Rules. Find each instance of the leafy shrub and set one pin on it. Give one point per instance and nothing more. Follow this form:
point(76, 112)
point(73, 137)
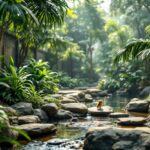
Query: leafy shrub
point(15, 86)
point(28, 83)
point(44, 79)
point(126, 78)
point(67, 81)
point(110, 84)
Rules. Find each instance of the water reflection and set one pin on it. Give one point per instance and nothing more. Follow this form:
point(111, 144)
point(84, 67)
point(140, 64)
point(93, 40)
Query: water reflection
point(116, 102)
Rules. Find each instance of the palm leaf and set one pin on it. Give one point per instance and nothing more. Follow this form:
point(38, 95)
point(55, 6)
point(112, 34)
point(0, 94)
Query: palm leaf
point(132, 50)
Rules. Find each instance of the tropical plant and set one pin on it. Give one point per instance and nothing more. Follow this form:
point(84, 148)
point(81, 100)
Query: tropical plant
point(138, 48)
point(18, 16)
point(16, 86)
point(4, 130)
point(67, 81)
point(128, 77)
point(44, 79)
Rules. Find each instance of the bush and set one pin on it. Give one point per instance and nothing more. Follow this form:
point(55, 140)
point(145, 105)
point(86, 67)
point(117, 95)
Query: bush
point(67, 81)
point(44, 79)
point(27, 83)
point(110, 84)
point(124, 79)
point(14, 84)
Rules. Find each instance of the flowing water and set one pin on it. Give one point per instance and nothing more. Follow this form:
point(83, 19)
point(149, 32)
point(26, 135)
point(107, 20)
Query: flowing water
point(74, 132)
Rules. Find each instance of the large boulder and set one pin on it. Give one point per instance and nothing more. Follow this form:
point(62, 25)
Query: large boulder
point(145, 92)
point(76, 108)
point(28, 119)
point(37, 129)
point(63, 114)
point(23, 108)
point(103, 93)
point(51, 109)
point(93, 91)
point(74, 96)
point(132, 121)
point(104, 111)
point(88, 98)
point(41, 114)
point(106, 138)
point(138, 106)
point(67, 100)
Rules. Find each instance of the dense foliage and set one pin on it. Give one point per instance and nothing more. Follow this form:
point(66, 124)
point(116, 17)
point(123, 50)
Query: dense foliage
point(44, 79)
point(84, 46)
point(27, 83)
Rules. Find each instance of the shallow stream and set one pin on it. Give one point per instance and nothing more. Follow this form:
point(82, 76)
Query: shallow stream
point(69, 136)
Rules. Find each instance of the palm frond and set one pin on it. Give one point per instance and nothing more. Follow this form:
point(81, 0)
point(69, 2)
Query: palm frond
point(48, 11)
point(132, 50)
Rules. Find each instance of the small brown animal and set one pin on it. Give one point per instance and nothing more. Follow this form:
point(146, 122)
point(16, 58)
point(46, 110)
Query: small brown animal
point(99, 104)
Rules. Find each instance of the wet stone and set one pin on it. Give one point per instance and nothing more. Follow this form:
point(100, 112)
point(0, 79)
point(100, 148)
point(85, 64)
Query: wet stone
point(132, 121)
point(118, 115)
point(104, 111)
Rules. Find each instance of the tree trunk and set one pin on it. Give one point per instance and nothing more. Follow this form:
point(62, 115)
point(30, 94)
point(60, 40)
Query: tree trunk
point(1, 38)
point(2, 31)
point(147, 68)
point(91, 62)
point(23, 53)
point(71, 66)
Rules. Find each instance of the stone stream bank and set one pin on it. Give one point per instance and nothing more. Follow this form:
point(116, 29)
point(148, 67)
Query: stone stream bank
point(103, 127)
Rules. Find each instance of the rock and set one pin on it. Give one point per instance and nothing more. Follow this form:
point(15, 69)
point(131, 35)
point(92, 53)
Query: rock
point(57, 96)
point(67, 100)
point(37, 129)
point(88, 98)
point(103, 93)
point(132, 121)
point(13, 120)
point(65, 92)
point(106, 138)
point(28, 119)
point(23, 108)
point(51, 109)
point(81, 95)
point(75, 108)
point(104, 111)
point(63, 114)
point(70, 96)
point(145, 92)
point(138, 106)
point(143, 129)
point(93, 91)
point(41, 114)
point(118, 115)
point(74, 96)
point(9, 111)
